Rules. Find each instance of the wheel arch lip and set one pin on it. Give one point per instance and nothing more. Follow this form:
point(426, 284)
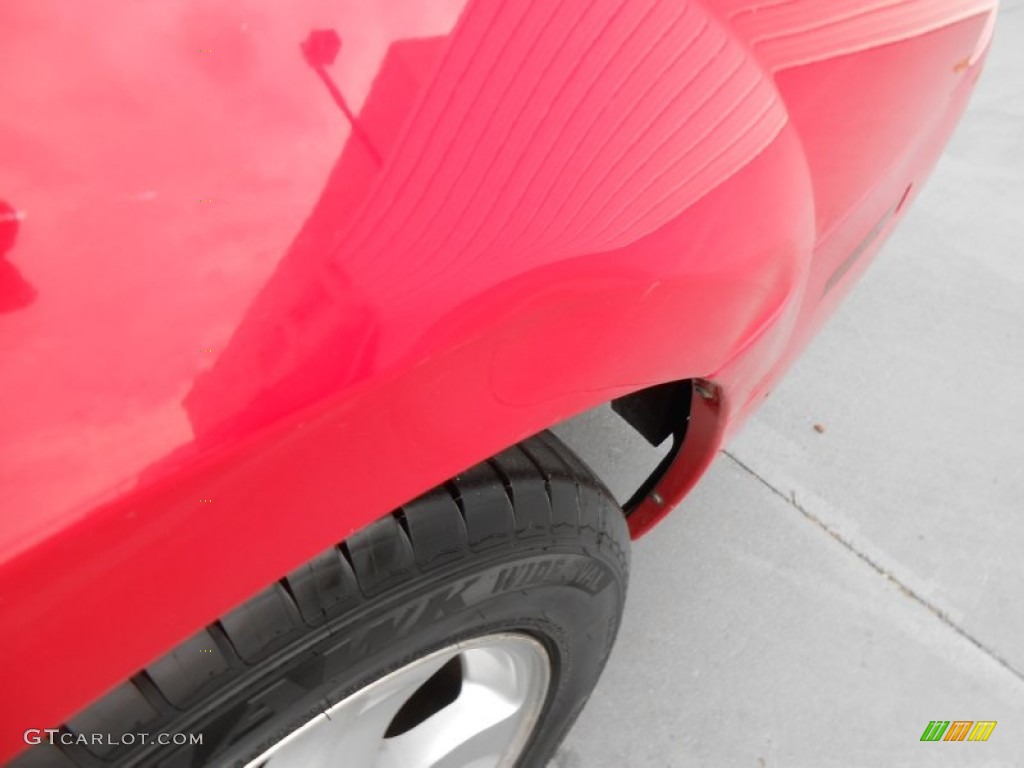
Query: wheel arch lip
point(705, 434)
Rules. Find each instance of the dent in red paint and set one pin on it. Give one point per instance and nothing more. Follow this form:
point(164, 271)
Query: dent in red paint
point(310, 283)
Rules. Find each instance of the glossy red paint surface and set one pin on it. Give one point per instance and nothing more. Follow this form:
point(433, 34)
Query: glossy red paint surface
point(271, 270)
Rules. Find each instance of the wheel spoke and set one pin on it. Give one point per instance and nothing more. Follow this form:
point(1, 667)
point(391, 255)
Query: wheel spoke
point(484, 749)
point(353, 728)
point(504, 681)
point(478, 710)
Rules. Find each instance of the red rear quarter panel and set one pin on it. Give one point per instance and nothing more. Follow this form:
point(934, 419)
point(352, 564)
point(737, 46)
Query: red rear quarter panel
point(255, 294)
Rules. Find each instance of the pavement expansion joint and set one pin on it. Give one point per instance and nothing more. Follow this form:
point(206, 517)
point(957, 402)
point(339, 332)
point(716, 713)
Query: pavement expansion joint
point(941, 615)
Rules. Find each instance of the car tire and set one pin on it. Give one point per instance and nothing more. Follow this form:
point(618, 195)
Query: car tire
point(469, 625)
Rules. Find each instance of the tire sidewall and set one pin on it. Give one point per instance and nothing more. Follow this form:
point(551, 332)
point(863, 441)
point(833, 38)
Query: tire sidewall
point(566, 596)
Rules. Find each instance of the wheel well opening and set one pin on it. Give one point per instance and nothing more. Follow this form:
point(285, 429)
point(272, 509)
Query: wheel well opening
point(630, 442)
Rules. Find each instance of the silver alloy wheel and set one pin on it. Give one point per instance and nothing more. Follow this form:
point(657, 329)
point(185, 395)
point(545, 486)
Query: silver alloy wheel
point(473, 704)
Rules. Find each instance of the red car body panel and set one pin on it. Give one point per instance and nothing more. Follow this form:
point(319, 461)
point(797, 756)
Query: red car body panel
point(259, 290)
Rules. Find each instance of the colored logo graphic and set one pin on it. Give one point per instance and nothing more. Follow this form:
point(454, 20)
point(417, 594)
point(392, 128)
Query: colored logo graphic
point(958, 730)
